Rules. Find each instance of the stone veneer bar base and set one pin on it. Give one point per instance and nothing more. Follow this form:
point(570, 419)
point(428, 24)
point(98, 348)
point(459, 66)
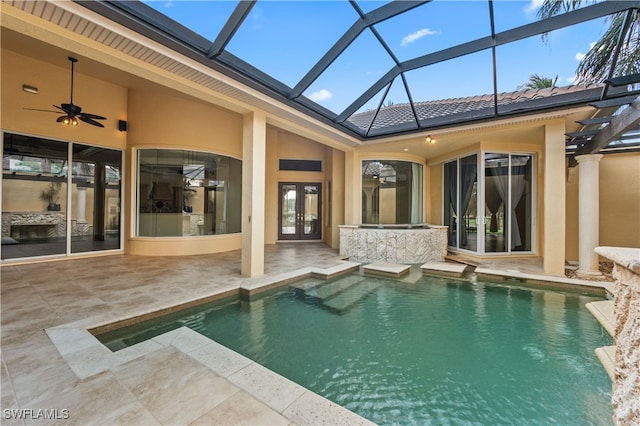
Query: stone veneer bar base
point(626, 382)
point(393, 243)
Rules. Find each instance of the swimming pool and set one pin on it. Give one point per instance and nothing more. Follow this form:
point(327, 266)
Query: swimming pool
point(432, 351)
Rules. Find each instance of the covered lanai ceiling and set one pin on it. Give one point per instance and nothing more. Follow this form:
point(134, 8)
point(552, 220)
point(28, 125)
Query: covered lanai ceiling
point(374, 69)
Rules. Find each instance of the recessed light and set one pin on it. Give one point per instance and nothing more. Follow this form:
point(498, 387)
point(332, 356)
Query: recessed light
point(30, 89)
point(406, 149)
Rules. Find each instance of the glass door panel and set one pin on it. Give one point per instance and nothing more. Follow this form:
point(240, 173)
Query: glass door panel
point(496, 168)
point(450, 180)
point(311, 213)
point(299, 217)
point(469, 203)
point(34, 197)
point(288, 209)
point(521, 202)
point(95, 209)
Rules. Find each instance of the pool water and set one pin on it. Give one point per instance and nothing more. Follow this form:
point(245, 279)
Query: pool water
point(433, 351)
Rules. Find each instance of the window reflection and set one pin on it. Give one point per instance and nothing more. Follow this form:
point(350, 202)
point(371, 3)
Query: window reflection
point(187, 193)
point(391, 192)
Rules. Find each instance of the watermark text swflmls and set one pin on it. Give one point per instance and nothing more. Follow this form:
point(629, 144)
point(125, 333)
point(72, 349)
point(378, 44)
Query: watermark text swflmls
point(36, 414)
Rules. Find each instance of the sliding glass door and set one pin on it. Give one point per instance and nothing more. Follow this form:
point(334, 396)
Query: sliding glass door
point(509, 202)
point(461, 202)
point(45, 211)
point(495, 195)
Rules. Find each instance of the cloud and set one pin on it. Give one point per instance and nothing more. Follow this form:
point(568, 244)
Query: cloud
point(321, 95)
point(168, 4)
point(580, 55)
point(415, 36)
point(533, 6)
point(572, 79)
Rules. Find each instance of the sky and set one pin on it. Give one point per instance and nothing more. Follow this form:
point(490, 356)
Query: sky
point(286, 38)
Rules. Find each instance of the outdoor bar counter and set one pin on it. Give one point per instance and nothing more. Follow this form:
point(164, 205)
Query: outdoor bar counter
point(418, 243)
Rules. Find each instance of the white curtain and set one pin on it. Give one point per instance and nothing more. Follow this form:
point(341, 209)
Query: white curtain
point(518, 184)
point(468, 177)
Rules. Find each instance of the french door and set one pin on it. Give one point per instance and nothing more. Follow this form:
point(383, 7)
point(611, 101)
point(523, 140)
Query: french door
point(299, 211)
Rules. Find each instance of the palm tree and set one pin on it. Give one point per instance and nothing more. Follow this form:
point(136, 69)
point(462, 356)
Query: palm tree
point(538, 82)
point(597, 63)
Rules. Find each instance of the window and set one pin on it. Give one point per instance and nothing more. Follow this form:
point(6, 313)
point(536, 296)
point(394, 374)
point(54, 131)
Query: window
point(391, 192)
point(187, 193)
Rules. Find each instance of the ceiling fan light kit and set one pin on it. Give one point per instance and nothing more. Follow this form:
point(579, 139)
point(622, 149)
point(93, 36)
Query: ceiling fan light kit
point(72, 113)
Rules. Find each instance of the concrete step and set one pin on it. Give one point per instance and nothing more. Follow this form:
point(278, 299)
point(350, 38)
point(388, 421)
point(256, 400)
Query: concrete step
point(326, 290)
point(353, 295)
point(603, 312)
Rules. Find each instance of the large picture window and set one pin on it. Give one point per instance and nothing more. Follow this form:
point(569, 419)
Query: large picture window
point(44, 212)
point(391, 192)
point(187, 193)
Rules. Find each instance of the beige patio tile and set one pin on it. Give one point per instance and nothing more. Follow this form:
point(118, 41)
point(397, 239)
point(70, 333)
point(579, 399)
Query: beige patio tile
point(100, 400)
point(220, 359)
point(241, 409)
point(274, 390)
point(312, 409)
point(173, 387)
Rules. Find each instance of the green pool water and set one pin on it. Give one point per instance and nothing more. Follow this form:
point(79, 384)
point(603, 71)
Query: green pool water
point(433, 351)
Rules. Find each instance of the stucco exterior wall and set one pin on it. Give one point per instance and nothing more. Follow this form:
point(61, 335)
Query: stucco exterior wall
point(619, 203)
point(285, 145)
point(54, 85)
point(158, 119)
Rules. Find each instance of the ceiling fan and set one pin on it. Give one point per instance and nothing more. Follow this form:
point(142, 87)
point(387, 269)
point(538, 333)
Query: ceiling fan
point(73, 112)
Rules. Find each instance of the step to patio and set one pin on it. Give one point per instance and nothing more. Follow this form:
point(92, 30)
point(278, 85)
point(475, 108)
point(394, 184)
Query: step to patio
point(325, 290)
point(607, 357)
point(603, 312)
point(447, 269)
point(350, 297)
point(386, 269)
point(462, 260)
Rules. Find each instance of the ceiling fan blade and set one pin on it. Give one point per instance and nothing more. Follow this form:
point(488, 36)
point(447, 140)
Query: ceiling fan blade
point(42, 110)
point(88, 120)
point(66, 111)
point(92, 116)
point(71, 108)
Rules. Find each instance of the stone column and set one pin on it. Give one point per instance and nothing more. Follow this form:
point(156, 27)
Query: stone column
point(81, 205)
point(588, 213)
point(253, 193)
point(625, 397)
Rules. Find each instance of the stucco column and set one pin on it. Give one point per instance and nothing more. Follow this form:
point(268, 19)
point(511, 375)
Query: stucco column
point(81, 205)
point(352, 189)
point(588, 213)
point(253, 193)
point(554, 202)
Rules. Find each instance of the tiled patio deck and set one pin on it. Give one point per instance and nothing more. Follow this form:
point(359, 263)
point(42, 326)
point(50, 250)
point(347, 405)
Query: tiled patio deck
point(163, 386)
point(49, 362)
